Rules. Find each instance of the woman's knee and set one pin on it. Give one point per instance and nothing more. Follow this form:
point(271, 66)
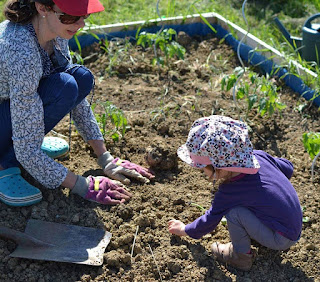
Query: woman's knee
point(69, 92)
point(59, 89)
point(84, 79)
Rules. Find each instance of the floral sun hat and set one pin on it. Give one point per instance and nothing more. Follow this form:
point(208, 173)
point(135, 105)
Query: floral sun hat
point(221, 142)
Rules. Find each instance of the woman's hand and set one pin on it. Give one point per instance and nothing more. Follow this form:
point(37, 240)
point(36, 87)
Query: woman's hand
point(177, 227)
point(122, 170)
point(101, 190)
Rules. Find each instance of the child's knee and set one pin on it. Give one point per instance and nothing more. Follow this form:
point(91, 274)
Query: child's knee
point(236, 212)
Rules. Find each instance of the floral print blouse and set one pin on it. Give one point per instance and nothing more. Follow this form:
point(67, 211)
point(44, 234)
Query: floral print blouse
point(22, 64)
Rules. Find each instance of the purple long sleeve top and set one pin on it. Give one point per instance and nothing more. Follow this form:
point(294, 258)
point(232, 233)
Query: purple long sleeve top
point(268, 194)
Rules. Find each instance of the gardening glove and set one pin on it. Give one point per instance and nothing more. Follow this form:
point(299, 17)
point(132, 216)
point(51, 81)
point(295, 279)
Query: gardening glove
point(118, 169)
point(101, 190)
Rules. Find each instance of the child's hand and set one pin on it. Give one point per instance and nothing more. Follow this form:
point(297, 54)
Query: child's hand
point(177, 227)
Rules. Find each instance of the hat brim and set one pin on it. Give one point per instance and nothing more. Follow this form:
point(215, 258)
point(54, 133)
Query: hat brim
point(184, 155)
point(79, 8)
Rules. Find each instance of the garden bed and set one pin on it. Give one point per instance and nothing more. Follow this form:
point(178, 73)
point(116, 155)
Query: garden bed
point(160, 104)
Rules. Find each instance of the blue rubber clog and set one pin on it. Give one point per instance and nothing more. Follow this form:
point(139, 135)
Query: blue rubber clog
point(15, 191)
point(55, 147)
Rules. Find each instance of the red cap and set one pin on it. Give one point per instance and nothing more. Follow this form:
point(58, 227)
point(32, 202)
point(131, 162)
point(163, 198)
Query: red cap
point(79, 7)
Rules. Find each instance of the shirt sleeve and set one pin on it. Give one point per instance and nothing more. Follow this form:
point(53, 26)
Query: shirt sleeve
point(24, 68)
point(85, 122)
point(63, 45)
point(82, 115)
point(203, 224)
point(285, 166)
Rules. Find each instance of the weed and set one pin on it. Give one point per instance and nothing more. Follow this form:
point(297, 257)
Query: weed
point(116, 117)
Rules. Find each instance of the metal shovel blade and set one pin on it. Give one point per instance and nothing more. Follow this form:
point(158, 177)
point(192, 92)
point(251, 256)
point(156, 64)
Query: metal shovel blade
point(63, 243)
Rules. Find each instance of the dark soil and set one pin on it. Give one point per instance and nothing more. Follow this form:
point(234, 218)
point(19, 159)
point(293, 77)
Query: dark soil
point(160, 104)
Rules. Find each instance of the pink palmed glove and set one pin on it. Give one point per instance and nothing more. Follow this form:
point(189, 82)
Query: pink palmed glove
point(101, 190)
point(121, 169)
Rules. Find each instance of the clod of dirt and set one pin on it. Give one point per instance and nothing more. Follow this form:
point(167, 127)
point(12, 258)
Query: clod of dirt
point(142, 221)
point(184, 39)
point(115, 258)
point(161, 158)
point(174, 267)
point(124, 212)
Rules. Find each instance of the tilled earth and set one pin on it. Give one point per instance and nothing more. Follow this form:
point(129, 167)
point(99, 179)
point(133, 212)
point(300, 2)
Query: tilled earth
point(160, 104)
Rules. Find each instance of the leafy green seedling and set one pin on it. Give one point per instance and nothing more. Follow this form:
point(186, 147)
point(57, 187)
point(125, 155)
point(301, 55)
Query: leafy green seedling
point(305, 219)
point(164, 41)
point(311, 142)
point(224, 221)
point(116, 117)
point(259, 92)
point(201, 208)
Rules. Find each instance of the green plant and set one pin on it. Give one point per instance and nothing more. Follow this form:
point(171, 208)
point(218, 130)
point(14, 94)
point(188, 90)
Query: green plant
point(163, 41)
point(116, 50)
point(258, 92)
point(76, 56)
point(199, 207)
point(305, 219)
point(116, 117)
point(311, 142)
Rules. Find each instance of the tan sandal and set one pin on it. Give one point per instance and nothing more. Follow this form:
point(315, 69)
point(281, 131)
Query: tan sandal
point(226, 253)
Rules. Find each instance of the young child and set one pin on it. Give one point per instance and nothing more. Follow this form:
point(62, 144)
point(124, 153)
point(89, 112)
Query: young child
point(255, 196)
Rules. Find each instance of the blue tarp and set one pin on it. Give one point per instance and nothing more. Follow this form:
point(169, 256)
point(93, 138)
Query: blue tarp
point(200, 29)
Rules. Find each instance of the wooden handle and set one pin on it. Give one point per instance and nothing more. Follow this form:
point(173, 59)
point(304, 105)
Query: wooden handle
point(20, 238)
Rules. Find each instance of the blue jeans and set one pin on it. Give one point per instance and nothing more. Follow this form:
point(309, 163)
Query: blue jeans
point(244, 225)
point(60, 93)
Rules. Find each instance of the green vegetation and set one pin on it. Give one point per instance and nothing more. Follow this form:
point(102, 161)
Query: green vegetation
point(163, 41)
point(199, 207)
point(113, 114)
point(311, 142)
point(259, 92)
